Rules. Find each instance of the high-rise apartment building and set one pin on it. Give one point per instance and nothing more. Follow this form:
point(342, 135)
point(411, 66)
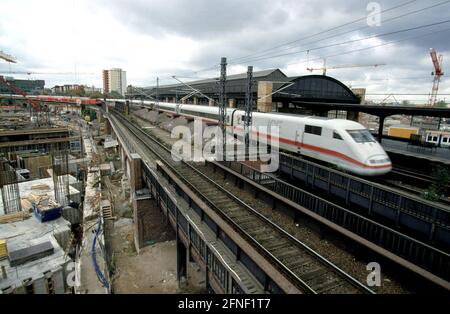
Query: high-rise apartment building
point(105, 82)
point(114, 80)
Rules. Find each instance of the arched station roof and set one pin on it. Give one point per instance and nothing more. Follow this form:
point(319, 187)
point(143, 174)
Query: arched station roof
point(316, 88)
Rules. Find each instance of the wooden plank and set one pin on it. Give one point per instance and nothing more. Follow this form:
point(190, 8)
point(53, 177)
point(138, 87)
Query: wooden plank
point(14, 217)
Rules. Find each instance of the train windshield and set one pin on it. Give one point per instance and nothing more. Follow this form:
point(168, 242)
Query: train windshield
point(361, 136)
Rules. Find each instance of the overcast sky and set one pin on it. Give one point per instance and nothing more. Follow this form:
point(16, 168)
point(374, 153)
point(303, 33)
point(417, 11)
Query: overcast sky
point(161, 38)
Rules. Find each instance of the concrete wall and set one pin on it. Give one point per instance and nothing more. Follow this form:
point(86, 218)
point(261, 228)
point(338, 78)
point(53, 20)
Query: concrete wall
point(143, 204)
point(34, 163)
point(135, 172)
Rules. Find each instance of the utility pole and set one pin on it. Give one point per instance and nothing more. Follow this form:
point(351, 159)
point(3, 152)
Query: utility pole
point(157, 90)
point(222, 101)
point(248, 108)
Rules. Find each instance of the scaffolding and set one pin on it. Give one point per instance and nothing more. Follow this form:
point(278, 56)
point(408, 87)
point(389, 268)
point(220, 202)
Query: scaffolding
point(9, 189)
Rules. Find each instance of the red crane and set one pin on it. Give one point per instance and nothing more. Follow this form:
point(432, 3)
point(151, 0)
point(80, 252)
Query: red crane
point(36, 106)
point(437, 63)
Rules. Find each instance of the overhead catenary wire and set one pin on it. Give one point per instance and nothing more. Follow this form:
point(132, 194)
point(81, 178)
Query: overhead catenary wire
point(217, 65)
point(255, 60)
point(285, 65)
point(352, 30)
point(331, 29)
point(351, 41)
point(324, 31)
point(370, 47)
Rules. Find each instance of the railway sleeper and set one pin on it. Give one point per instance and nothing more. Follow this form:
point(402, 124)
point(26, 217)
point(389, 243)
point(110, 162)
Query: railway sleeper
point(313, 274)
point(235, 209)
point(340, 289)
point(264, 238)
point(304, 267)
point(202, 186)
point(297, 261)
point(331, 284)
point(255, 228)
point(249, 219)
point(280, 246)
point(236, 215)
point(256, 231)
point(222, 203)
point(288, 253)
point(205, 187)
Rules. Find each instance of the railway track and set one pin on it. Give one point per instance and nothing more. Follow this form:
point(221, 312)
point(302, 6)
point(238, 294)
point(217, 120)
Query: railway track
point(419, 179)
point(307, 269)
point(412, 182)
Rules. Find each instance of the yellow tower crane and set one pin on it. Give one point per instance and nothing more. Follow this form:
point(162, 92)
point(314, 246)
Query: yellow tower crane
point(7, 57)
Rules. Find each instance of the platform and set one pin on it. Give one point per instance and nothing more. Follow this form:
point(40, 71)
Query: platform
point(438, 154)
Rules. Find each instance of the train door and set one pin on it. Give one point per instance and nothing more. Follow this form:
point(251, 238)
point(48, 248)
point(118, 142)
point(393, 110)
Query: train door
point(445, 140)
point(298, 140)
point(432, 138)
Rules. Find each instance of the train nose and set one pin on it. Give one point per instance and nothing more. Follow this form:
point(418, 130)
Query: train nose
point(377, 160)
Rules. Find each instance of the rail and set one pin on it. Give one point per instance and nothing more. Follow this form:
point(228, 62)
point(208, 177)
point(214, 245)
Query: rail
point(421, 254)
point(430, 219)
point(195, 178)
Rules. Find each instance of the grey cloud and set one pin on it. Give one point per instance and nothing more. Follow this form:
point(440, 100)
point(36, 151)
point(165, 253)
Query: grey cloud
point(238, 28)
point(195, 19)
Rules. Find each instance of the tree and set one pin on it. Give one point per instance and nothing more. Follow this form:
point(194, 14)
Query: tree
point(96, 95)
point(405, 103)
point(77, 92)
point(438, 189)
point(441, 104)
point(115, 94)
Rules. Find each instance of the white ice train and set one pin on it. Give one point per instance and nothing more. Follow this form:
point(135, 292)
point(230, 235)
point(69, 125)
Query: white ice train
point(344, 143)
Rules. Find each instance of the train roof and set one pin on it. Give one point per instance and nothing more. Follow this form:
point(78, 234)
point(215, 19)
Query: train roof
point(319, 121)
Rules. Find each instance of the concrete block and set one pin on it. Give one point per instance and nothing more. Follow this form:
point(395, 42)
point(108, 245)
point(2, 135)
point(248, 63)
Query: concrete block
point(59, 281)
point(40, 285)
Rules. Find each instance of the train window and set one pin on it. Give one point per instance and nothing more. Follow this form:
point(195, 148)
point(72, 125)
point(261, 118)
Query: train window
point(445, 140)
point(429, 138)
point(361, 136)
point(336, 135)
point(311, 129)
point(435, 138)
